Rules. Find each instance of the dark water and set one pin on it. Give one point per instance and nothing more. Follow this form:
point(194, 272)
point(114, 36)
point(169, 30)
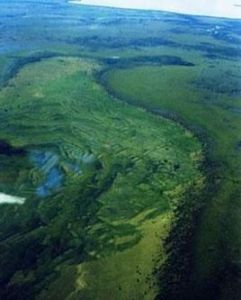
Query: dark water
point(48, 164)
point(8, 150)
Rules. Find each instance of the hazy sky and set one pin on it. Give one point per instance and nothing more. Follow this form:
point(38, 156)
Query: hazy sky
point(221, 8)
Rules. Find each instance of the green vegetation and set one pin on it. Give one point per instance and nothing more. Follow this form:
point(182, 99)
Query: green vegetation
point(65, 126)
point(118, 202)
point(200, 98)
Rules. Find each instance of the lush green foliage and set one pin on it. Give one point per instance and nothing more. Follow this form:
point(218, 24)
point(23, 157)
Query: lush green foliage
point(114, 192)
point(115, 162)
point(207, 99)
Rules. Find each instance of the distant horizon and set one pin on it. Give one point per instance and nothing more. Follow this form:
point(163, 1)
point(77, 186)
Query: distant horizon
point(217, 8)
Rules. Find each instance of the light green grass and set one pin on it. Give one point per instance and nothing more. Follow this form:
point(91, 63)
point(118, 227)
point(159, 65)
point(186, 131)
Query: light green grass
point(174, 89)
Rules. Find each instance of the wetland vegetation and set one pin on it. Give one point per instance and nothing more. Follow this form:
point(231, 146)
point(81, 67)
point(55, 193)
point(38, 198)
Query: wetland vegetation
point(120, 142)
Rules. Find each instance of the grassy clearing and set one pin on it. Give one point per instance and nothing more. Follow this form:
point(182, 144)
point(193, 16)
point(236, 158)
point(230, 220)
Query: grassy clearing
point(129, 274)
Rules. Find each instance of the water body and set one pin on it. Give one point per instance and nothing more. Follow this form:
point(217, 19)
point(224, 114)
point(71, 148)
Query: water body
point(48, 164)
point(52, 183)
point(216, 8)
